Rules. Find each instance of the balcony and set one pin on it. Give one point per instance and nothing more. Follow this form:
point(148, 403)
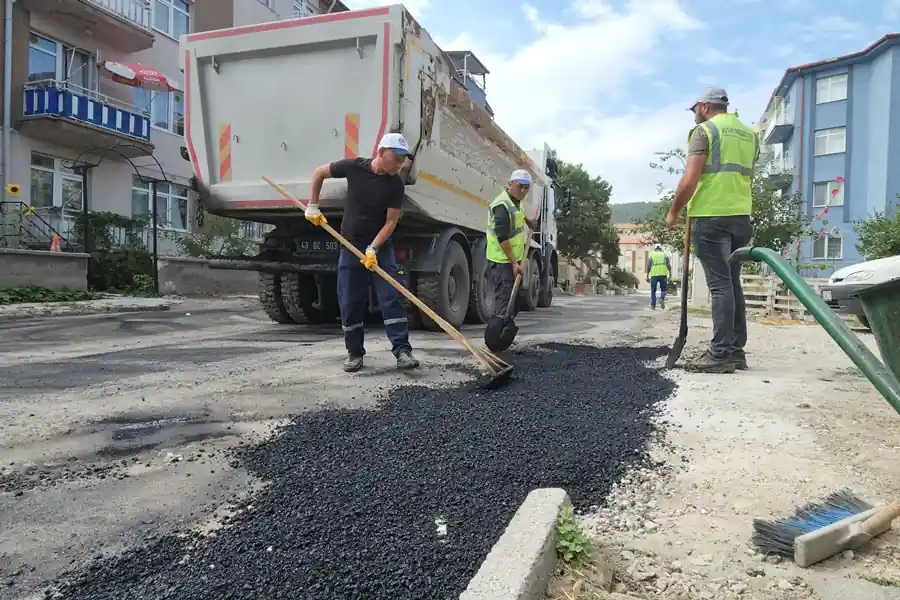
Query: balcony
point(122, 24)
point(779, 169)
point(780, 128)
point(65, 114)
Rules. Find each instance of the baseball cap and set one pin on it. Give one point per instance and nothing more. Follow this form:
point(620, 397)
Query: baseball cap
point(521, 176)
point(711, 96)
point(394, 142)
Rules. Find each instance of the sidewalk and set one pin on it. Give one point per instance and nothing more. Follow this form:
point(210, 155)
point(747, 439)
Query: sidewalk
point(86, 307)
point(801, 423)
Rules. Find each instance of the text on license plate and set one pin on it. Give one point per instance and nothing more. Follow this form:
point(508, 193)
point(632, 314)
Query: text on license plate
point(826, 295)
point(318, 245)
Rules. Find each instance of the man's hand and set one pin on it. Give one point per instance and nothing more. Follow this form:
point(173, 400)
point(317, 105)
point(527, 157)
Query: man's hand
point(532, 223)
point(314, 215)
point(371, 259)
point(671, 220)
point(518, 269)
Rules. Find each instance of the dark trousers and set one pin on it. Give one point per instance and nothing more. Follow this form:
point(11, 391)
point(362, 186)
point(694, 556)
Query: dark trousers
point(715, 238)
point(501, 276)
point(660, 281)
point(353, 298)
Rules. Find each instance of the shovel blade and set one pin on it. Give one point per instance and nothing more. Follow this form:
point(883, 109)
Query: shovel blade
point(675, 352)
point(500, 334)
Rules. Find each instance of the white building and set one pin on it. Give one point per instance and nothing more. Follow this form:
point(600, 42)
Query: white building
point(66, 106)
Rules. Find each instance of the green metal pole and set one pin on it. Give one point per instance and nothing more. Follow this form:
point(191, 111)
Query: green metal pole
point(874, 370)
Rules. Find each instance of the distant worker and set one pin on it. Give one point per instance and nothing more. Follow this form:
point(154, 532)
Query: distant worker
point(506, 238)
point(375, 194)
point(658, 270)
point(716, 186)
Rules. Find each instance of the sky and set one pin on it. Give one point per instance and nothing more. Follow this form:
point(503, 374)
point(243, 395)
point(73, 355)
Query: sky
point(607, 82)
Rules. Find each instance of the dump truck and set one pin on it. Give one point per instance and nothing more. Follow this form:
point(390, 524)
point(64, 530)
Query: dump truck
point(282, 98)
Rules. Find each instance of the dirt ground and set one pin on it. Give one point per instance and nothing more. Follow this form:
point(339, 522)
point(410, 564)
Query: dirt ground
point(800, 423)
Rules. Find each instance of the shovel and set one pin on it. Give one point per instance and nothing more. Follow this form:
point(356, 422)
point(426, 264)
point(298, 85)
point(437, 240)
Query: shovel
point(678, 346)
point(501, 331)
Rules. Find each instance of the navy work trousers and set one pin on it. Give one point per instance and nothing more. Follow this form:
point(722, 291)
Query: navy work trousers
point(353, 298)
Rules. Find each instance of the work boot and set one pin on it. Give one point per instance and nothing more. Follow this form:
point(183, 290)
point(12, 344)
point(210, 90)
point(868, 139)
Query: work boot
point(352, 364)
point(662, 304)
point(406, 361)
point(739, 358)
point(652, 307)
point(707, 363)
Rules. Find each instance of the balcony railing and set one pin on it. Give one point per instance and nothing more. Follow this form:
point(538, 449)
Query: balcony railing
point(63, 100)
point(136, 12)
point(780, 127)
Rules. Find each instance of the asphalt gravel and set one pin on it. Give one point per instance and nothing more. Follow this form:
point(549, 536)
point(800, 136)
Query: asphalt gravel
point(404, 502)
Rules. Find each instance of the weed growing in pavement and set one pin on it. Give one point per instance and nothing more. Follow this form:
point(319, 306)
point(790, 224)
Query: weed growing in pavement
point(571, 543)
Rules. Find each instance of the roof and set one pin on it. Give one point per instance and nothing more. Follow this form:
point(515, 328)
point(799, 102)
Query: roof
point(466, 57)
point(875, 48)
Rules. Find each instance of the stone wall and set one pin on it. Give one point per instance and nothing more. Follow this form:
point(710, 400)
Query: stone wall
point(191, 277)
point(57, 271)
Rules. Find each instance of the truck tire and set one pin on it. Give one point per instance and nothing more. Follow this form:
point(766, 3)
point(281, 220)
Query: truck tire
point(481, 298)
point(413, 316)
point(528, 297)
point(545, 297)
point(447, 293)
point(269, 289)
point(300, 294)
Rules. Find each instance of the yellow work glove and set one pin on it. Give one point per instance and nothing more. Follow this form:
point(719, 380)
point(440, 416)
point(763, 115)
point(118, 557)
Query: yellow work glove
point(314, 215)
point(371, 259)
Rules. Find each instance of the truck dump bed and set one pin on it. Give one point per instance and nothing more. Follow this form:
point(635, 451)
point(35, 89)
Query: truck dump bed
point(282, 98)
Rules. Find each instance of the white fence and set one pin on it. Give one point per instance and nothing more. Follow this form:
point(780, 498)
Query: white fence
point(765, 295)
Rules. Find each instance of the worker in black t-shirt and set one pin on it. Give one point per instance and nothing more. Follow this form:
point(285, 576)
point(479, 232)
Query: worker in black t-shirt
point(375, 194)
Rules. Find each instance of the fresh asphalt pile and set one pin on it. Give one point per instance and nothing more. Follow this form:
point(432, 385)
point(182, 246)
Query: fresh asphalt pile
point(404, 502)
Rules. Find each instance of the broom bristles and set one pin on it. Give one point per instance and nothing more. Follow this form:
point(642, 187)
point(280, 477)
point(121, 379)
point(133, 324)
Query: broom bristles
point(777, 537)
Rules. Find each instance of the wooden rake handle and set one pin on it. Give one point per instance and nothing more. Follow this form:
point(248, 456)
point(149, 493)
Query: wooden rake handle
point(447, 327)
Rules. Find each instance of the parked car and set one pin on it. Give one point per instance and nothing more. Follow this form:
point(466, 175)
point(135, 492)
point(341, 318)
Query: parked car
point(844, 283)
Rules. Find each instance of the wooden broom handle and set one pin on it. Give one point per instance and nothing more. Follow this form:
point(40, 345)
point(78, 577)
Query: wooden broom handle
point(882, 518)
point(447, 327)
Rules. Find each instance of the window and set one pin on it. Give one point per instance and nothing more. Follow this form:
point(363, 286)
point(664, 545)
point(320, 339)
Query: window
point(831, 89)
point(54, 185)
point(828, 193)
point(304, 8)
point(253, 230)
point(171, 17)
point(49, 60)
point(171, 203)
point(166, 109)
point(828, 247)
point(831, 141)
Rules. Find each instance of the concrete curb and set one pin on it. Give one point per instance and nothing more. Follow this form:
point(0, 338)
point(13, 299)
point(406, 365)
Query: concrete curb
point(53, 309)
point(520, 564)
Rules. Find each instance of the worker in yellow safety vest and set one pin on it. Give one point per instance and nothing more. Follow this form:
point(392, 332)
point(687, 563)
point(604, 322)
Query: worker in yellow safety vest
point(506, 238)
point(658, 271)
point(717, 188)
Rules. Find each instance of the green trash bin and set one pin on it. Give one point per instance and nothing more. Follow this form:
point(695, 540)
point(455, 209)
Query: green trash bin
point(881, 303)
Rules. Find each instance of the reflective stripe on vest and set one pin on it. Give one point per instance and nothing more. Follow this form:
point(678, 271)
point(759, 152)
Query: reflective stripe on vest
point(658, 266)
point(724, 188)
point(495, 251)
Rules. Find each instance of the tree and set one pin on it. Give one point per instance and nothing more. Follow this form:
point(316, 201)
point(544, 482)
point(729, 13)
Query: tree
point(778, 217)
point(582, 213)
point(221, 236)
point(879, 237)
point(609, 246)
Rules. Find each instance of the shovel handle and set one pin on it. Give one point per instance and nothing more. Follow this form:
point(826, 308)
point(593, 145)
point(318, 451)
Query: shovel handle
point(447, 327)
point(514, 296)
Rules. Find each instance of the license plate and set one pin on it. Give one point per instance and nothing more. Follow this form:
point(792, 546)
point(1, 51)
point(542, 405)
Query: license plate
point(826, 295)
point(317, 245)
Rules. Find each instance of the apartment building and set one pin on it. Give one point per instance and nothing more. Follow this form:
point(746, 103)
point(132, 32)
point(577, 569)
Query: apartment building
point(83, 131)
point(831, 131)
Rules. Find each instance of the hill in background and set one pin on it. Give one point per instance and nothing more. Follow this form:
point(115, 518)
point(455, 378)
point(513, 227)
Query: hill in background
point(628, 212)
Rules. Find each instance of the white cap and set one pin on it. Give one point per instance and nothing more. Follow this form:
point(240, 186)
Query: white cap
point(521, 176)
point(394, 142)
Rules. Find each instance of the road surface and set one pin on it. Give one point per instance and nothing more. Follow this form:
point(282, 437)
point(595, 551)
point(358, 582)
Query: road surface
point(116, 427)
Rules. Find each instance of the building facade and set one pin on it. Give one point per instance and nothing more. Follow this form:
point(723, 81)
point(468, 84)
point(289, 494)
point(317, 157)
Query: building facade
point(831, 132)
point(635, 250)
point(79, 134)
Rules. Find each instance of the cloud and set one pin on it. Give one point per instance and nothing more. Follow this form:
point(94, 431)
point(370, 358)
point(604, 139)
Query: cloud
point(572, 86)
point(831, 27)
